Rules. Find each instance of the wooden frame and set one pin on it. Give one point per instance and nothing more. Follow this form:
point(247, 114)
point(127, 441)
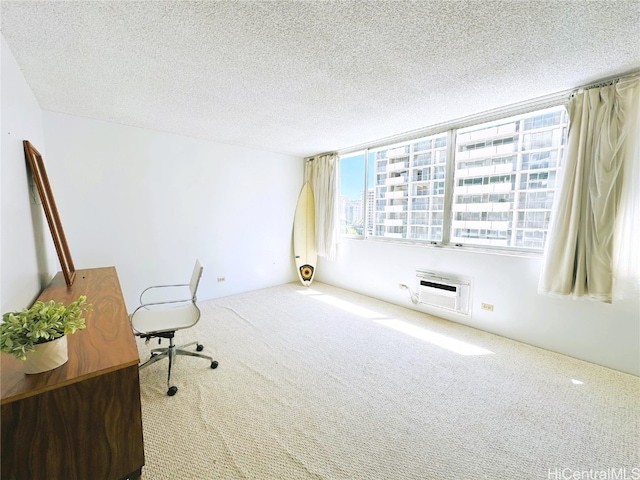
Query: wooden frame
point(51, 212)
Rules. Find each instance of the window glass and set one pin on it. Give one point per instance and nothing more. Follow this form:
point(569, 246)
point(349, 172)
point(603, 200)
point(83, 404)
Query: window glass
point(503, 186)
point(506, 170)
point(352, 194)
point(409, 189)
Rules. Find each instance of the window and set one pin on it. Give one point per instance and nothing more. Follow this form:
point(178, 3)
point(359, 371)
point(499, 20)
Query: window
point(352, 199)
point(409, 181)
point(494, 186)
point(529, 178)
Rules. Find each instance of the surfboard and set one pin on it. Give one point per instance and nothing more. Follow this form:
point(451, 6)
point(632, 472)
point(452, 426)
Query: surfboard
point(304, 236)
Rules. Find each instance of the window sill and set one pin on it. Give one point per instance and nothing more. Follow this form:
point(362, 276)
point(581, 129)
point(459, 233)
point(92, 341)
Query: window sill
point(464, 248)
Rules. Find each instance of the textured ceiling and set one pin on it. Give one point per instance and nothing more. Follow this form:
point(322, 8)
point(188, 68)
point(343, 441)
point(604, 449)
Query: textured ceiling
point(307, 77)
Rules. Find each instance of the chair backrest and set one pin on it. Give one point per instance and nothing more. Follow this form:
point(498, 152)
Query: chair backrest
point(195, 279)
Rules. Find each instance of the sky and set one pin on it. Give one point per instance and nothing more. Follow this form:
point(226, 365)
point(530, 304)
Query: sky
point(352, 176)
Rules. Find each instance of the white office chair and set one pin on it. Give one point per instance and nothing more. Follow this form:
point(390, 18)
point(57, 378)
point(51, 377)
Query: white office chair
point(162, 320)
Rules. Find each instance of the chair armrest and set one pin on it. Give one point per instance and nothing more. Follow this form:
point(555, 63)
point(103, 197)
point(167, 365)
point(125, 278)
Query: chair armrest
point(162, 286)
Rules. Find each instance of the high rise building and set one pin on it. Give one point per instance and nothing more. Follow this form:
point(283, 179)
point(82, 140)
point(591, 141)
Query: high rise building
point(409, 190)
point(351, 216)
point(371, 195)
point(504, 178)
point(353, 212)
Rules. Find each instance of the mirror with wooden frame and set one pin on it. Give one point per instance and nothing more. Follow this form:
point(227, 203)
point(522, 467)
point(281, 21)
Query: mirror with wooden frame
point(50, 210)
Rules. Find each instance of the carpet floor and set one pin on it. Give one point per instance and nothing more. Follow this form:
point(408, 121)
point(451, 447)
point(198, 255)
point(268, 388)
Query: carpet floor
point(322, 383)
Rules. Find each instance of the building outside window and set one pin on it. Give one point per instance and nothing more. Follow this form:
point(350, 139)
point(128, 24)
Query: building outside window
point(502, 181)
point(409, 182)
point(507, 167)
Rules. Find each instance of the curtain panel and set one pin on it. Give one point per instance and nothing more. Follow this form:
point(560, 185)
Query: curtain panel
point(322, 172)
point(592, 248)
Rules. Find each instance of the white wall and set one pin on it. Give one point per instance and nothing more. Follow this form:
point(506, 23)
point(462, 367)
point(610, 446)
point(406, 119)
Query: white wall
point(150, 203)
point(27, 255)
point(147, 202)
point(608, 335)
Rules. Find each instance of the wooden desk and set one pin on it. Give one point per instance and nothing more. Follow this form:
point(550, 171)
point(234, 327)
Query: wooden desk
point(83, 419)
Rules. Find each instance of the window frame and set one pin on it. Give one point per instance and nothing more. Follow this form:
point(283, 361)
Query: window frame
point(451, 130)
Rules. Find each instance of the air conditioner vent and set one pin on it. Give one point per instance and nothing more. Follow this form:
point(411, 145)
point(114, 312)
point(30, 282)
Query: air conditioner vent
point(444, 291)
point(440, 286)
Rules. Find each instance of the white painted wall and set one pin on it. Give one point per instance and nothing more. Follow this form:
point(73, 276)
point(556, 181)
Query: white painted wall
point(608, 335)
point(147, 202)
point(150, 203)
point(27, 255)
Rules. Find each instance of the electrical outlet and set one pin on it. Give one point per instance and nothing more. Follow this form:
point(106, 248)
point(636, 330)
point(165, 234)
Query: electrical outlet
point(221, 279)
point(486, 306)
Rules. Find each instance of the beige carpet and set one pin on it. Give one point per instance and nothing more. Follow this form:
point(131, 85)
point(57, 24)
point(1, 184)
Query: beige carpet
point(322, 383)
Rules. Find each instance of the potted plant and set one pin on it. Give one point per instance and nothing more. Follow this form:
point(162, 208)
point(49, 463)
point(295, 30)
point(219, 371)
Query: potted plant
point(38, 334)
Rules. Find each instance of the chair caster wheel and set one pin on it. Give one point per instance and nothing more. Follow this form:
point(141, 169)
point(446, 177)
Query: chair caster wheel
point(172, 391)
point(214, 364)
point(199, 347)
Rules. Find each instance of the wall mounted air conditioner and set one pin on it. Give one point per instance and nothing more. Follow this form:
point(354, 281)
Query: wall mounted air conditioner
point(441, 290)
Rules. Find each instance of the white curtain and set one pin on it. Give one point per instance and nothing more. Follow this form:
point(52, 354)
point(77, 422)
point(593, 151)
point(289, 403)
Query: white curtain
point(322, 173)
point(626, 252)
point(592, 249)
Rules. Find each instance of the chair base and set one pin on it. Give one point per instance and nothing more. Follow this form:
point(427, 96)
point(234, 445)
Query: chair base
point(171, 352)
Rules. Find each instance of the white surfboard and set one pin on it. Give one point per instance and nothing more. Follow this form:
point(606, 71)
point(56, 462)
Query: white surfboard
point(304, 236)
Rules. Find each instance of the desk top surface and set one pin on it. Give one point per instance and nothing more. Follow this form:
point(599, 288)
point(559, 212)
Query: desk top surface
point(107, 344)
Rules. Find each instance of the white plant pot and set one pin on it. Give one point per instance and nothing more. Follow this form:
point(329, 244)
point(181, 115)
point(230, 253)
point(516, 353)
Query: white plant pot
point(47, 356)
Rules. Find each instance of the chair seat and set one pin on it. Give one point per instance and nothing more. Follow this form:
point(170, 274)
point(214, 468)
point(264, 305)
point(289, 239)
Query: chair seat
point(166, 320)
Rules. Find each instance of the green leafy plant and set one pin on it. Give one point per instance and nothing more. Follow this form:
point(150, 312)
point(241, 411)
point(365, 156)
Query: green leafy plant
point(43, 322)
